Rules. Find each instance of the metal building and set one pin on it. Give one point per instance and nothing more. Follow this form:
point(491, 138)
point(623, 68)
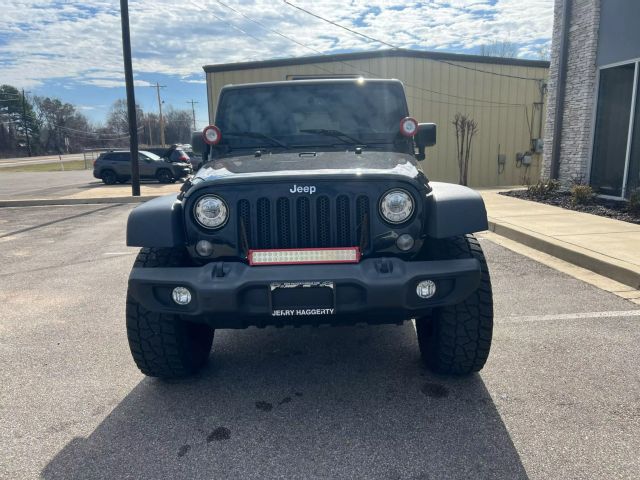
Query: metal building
point(504, 95)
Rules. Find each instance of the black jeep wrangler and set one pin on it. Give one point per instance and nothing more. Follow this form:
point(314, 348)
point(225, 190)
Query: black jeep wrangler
point(311, 208)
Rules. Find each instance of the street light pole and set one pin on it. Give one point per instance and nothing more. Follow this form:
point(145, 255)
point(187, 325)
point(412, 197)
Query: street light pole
point(131, 99)
point(157, 86)
point(193, 111)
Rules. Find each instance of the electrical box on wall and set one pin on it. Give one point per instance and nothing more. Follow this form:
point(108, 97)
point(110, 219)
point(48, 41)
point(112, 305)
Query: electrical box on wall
point(502, 159)
point(537, 144)
point(527, 159)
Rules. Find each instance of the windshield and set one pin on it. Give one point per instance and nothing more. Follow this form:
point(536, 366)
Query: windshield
point(150, 155)
point(311, 114)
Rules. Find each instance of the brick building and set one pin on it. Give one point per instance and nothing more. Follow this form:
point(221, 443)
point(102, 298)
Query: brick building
point(592, 133)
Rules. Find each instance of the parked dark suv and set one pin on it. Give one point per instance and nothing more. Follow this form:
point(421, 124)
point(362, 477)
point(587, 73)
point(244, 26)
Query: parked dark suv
point(115, 166)
point(311, 208)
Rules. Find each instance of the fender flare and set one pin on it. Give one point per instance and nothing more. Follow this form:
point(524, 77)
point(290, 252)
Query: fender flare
point(454, 210)
point(156, 223)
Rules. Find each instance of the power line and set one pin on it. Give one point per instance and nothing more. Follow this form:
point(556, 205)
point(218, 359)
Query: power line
point(340, 26)
point(275, 32)
point(360, 69)
point(226, 22)
point(76, 132)
point(395, 47)
point(508, 105)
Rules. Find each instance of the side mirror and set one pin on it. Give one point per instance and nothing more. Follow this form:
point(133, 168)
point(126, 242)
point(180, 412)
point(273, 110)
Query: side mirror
point(197, 142)
point(426, 137)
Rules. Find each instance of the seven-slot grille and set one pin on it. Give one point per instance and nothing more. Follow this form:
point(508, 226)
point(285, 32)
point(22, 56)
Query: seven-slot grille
point(304, 222)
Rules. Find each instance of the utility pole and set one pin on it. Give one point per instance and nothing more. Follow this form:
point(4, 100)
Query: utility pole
point(193, 111)
point(157, 86)
point(24, 122)
point(131, 99)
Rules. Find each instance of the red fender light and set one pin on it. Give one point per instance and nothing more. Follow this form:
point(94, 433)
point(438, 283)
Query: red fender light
point(408, 126)
point(212, 135)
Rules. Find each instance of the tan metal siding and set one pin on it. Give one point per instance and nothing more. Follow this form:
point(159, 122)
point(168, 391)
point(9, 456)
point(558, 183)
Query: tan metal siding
point(436, 91)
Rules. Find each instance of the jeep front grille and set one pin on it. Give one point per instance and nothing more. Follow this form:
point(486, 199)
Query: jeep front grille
point(303, 222)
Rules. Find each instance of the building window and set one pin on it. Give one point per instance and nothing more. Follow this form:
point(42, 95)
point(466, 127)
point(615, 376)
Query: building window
point(610, 161)
point(633, 177)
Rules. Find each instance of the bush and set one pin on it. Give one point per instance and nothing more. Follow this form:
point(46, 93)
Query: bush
point(634, 202)
point(581, 194)
point(543, 188)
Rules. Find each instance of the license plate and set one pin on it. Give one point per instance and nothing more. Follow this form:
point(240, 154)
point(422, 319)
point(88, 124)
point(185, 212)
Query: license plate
point(290, 299)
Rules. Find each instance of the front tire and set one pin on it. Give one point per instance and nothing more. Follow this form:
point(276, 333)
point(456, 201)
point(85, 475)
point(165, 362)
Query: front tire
point(165, 176)
point(109, 177)
point(164, 345)
point(456, 339)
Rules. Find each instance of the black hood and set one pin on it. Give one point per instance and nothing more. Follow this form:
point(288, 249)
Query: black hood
point(296, 164)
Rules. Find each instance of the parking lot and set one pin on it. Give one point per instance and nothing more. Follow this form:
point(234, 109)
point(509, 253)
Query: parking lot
point(558, 397)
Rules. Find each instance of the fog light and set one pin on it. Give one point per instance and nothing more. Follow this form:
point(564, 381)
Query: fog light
point(426, 289)
point(204, 248)
point(181, 295)
point(405, 242)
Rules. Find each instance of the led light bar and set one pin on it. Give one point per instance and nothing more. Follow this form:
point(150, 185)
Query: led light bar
point(293, 256)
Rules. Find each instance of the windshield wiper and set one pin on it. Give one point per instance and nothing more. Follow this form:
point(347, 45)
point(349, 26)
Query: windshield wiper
point(334, 133)
point(262, 136)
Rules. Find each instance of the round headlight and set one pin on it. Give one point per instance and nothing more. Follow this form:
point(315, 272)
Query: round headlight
point(396, 206)
point(211, 211)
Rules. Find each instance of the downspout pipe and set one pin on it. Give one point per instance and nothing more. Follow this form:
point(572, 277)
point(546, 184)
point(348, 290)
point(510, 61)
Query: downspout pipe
point(561, 88)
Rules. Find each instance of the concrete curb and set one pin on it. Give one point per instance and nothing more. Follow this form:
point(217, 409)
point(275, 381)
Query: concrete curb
point(73, 201)
point(594, 263)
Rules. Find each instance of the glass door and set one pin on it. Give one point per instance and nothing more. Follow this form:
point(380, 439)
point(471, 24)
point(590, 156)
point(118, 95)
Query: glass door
point(633, 175)
point(610, 145)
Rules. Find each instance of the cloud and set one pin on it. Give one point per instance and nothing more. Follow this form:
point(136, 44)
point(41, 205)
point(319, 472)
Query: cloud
point(41, 42)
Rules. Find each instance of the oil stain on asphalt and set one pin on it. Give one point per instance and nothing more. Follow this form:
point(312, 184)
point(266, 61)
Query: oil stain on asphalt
point(434, 390)
point(182, 451)
point(219, 434)
point(264, 406)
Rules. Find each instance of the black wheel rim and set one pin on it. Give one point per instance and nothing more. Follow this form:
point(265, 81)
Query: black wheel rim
point(109, 177)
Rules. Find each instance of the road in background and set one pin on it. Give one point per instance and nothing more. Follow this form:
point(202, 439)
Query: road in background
point(558, 397)
point(17, 185)
point(16, 162)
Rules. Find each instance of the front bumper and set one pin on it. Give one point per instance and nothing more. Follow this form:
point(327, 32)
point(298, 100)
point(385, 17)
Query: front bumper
point(235, 295)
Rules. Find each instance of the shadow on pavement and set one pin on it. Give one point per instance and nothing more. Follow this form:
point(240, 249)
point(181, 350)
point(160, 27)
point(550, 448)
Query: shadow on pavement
point(305, 403)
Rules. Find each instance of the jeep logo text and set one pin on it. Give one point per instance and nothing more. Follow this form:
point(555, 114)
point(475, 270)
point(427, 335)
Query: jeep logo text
point(310, 189)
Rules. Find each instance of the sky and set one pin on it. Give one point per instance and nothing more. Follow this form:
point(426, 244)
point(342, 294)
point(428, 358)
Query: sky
point(73, 50)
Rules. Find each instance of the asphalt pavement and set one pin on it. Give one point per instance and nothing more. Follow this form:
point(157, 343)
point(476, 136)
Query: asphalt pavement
point(558, 398)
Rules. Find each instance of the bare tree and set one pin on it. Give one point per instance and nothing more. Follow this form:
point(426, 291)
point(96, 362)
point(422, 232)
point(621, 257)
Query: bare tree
point(543, 52)
point(118, 119)
point(466, 129)
point(151, 126)
point(499, 48)
point(178, 125)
